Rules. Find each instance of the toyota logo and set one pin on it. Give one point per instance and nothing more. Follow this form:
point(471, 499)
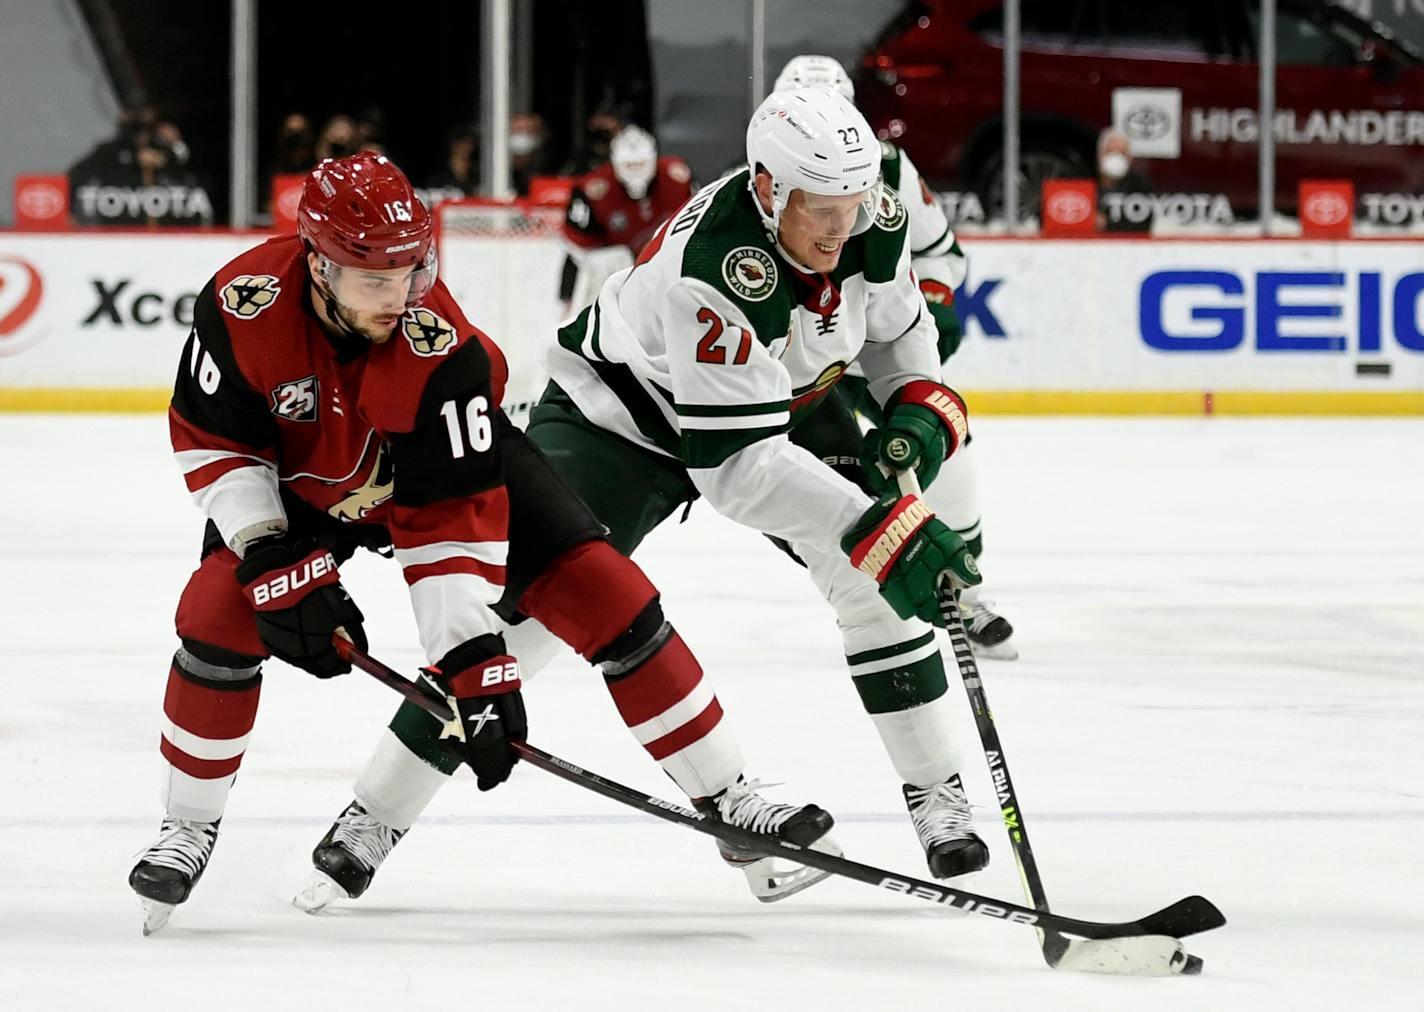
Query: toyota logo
point(1069, 207)
point(40, 201)
point(1147, 123)
point(20, 291)
point(1326, 207)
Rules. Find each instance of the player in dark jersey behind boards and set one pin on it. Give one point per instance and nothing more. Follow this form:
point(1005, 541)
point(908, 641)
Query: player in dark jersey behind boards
point(332, 396)
point(615, 209)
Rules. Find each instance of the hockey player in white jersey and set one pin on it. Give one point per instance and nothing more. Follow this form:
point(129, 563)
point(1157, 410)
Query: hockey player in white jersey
point(705, 371)
point(940, 267)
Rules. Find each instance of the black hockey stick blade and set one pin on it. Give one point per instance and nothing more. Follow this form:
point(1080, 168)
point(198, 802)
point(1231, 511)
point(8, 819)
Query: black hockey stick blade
point(1185, 917)
point(907, 885)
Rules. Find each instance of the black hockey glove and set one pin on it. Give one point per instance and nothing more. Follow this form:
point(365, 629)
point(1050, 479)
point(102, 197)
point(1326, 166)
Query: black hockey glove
point(299, 602)
point(484, 681)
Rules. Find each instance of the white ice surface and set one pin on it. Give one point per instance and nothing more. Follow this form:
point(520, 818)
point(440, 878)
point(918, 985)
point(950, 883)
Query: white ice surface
point(1221, 691)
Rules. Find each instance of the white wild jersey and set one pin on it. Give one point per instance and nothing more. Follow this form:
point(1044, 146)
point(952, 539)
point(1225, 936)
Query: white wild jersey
point(712, 346)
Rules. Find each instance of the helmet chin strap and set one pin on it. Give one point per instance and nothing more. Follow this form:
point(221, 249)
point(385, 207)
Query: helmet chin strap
point(771, 223)
point(329, 303)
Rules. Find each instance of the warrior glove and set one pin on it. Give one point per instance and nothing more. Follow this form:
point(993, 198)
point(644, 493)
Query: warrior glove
point(900, 544)
point(925, 423)
point(484, 682)
point(299, 603)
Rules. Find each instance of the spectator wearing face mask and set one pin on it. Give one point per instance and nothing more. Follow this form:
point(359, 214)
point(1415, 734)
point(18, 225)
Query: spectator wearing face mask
point(139, 177)
point(1116, 175)
point(526, 150)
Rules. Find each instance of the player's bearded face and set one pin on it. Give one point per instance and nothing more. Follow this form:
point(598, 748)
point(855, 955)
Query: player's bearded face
point(371, 302)
point(814, 228)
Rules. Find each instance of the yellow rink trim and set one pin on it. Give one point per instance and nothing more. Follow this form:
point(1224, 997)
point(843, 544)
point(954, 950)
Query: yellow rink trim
point(69, 399)
point(981, 402)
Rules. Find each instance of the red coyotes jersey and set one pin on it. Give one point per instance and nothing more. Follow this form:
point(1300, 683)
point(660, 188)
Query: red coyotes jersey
point(401, 434)
point(602, 214)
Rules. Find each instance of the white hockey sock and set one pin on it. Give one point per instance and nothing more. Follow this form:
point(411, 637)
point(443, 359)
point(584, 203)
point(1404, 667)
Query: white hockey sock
point(954, 494)
point(919, 742)
point(397, 785)
point(533, 646)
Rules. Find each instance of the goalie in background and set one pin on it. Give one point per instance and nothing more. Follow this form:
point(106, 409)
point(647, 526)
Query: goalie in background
point(615, 209)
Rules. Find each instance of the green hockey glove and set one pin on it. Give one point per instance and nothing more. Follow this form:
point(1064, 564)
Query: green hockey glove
point(900, 544)
point(940, 298)
point(925, 423)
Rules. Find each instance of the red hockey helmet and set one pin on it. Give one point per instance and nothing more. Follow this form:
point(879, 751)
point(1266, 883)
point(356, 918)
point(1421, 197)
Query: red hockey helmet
point(361, 212)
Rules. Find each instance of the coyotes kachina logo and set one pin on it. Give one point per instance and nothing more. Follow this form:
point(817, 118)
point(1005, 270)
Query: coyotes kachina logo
point(750, 272)
point(248, 294)
point(427, 333)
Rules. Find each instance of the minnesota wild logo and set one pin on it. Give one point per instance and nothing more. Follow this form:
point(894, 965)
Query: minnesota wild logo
point(750, 272)
point(889, 212)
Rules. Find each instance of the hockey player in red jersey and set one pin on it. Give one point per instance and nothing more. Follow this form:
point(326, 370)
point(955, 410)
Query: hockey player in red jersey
point(615, 209)
point(332, 396)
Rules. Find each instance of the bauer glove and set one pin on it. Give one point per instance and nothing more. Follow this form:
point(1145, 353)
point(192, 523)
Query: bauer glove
point(298, 600)
point(900, 544)
point(925, 423)
point(484, 682)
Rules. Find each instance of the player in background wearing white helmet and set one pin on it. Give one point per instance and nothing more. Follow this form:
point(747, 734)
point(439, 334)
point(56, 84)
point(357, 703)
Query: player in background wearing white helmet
point(615, 209)
point(940, 266)
point(704, 372)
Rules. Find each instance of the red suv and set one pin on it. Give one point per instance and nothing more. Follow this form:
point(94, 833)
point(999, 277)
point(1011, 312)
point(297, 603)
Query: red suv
point(1349, 95)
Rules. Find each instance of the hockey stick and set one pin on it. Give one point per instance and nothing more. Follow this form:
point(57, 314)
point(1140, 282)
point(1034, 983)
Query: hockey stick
point(1058, 951)
point(1151, 942)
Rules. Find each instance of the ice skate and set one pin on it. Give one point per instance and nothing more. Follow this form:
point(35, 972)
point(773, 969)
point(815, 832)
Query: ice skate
point(167, 871)
point(945, 826)
point(990, 634)
point(346, 859)
point(770, 878)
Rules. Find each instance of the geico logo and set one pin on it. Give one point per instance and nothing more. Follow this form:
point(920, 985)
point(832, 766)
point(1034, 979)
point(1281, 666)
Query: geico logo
point(1210, 310)
point(498, 674)
point(1393, 208)
point(144, 202)
point(293, 580)
point(1069, 207)
point(118, 306)
point(1212, 208)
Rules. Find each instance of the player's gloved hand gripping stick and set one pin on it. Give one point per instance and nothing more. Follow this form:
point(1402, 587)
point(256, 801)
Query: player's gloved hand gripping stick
point(1058, 950)
point(1146, 947)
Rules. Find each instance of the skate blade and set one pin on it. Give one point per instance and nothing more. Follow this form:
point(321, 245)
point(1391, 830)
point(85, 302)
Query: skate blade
point(155, 915)
point(1136, 956)
point(772, 879)
point(321, 889)
point(1005, 651)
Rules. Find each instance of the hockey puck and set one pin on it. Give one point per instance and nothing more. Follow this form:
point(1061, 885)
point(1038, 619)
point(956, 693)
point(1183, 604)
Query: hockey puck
point(1192, 967)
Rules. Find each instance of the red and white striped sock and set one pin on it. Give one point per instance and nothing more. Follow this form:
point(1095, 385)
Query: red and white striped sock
point(206, 726)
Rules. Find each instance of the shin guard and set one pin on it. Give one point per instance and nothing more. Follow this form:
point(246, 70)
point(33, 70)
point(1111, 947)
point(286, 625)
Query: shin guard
point(601, 604)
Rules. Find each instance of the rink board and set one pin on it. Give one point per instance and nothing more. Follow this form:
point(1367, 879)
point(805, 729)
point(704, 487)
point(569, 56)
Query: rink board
point(95, 321)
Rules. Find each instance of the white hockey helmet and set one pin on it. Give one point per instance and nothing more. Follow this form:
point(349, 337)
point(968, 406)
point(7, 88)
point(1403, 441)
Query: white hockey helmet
point(813, 139)
point(634, 155)
point(808, 71)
